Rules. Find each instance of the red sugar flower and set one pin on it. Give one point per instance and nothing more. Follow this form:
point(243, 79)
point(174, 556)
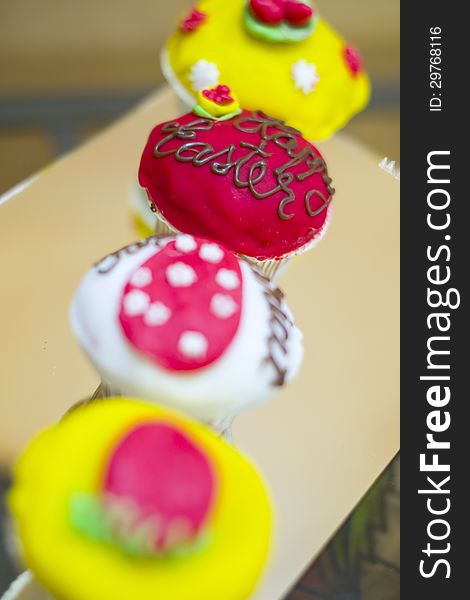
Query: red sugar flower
point(220, 95)
point(353, 59)
point(193, 21)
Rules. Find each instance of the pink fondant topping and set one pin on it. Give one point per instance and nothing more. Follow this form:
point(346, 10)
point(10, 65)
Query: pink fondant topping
point(193, 21)
point(273, 12)
point(251, 182)
point(165, 479)
point(353, 59)
point(182, 307)
point(220, 95)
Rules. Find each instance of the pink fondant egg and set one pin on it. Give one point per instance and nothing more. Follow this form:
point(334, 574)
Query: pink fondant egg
point(182, 307)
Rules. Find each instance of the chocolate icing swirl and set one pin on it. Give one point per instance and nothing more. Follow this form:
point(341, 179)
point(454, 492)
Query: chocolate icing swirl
point(279, 323)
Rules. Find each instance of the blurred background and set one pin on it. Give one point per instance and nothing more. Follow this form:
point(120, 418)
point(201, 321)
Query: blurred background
point(69, 68)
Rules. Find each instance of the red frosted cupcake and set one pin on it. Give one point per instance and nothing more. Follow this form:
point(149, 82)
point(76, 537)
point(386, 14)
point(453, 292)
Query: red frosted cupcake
point(238, 177)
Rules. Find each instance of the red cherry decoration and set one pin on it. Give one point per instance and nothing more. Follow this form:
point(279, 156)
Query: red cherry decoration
point(166, 477)
point(193, 21)
point(267, 11)
point(297, 13)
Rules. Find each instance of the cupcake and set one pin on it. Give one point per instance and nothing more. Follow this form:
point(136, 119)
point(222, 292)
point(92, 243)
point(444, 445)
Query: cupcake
point(182, 321)
point(238, 177)
point(124, 499)
point(279, 55)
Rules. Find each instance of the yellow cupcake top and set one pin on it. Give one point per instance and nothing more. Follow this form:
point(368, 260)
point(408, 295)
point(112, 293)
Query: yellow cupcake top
point(123, 500)
point(296, 68)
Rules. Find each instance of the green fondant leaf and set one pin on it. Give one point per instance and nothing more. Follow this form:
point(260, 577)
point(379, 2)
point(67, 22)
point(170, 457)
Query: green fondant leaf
point(117, 524)
point(86, 515)
point(200, 112)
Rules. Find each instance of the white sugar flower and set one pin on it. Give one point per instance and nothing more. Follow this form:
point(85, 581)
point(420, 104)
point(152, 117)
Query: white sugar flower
point(227, 279)
point(211, 253)
point(223, 306)
point(142, 277)
point(204, 75)
point(157, 314)
point(180, 274)
point(193, 344)
point(305, 76)
point(185, 243)
point(136, 303)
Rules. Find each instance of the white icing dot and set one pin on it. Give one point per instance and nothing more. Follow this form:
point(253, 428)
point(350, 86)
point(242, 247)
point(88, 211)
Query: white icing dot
point(223, 306)
point(227, 279)
point(204, 75)
point(185, 243)
point(136, 303)
point(180, 275)
point(211, 253)
point(305, 76)
point(193, 344)
point(142, 277)
point(157, 314)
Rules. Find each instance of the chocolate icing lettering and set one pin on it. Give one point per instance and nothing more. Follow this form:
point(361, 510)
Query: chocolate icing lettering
point(279, 325)
point(109, 262)
point(270, 130)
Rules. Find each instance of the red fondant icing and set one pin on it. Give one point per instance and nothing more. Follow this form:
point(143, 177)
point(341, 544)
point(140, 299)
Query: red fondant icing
point(171, 318)
point(193, 21)
point(165, 476)
point(196, 200)
point(353, 59)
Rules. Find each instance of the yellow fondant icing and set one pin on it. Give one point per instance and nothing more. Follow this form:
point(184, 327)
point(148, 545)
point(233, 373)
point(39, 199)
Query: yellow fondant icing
point(71, 457)
point(141, 228)
point(260, 73)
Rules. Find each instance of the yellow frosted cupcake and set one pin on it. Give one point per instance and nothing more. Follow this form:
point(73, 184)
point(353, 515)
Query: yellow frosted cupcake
point(125, 500)
point(279, 56)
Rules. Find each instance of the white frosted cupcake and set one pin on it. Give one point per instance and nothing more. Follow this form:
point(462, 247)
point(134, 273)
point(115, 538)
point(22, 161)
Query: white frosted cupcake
point(183, 321)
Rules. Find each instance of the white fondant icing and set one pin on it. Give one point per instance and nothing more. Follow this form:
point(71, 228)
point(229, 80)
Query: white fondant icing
point(227, 279)
point(193, 344)
point(204, 75)
point(180, 274)
point(211, 253)
point(136, 303)
point(187, 99)
point(185, 243)
point(107, 262)
point(223, 306)
point(157, 314)
point(142, 277)
point(305, 76)
point(241, 378)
